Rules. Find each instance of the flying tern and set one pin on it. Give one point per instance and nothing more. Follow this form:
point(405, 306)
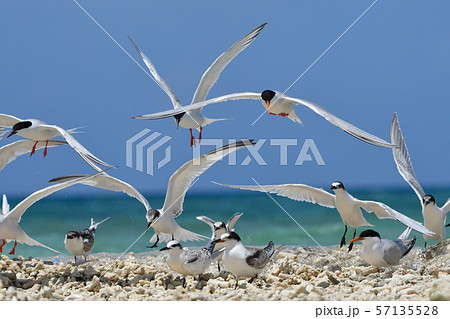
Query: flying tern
point(384, 252)
point(80, 242)
point(163, 220)
point(218, 228)
point(280, 104)
point(244, 261)
point(434, 217)
point(193, 119)
point(9, 220)
point(349, 207)
point(38, 131)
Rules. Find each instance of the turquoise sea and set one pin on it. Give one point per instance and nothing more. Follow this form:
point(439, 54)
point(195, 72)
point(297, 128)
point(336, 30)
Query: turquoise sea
point(49, 219)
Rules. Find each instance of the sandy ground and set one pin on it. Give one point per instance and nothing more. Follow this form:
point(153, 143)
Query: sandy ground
point(294, 273)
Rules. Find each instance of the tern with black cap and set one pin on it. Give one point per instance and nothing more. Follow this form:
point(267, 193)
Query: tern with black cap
point(244, 261)
point(384, 252)
point(40, 132)
point(434, 217)
point(163, 220)
point(349, 207)
point(278, 104)
point(193, 119)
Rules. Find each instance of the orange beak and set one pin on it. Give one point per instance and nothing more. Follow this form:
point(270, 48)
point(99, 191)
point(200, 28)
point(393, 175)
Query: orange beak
point(268, 104)
point(356, 239)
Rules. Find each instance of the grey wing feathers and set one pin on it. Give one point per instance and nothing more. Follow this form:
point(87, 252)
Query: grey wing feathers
point(232, 221)
point(297, 192)
point(180, 181)
point(260, 257)
point(343, 125)
point(446, 207)
point(10, 152)
point(20, 208)
point(392, 253)
point(217, 253)
point(402, 159)
point(212, 74)
point(383, 211)
point(199, 105)
point(206, 220)
point(176, 103)
point(107, 182)
point(88, 240)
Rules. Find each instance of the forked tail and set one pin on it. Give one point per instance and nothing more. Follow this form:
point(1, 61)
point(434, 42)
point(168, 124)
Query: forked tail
point(75, 130)
point(294, 117)
point(182, 234)
point(95, 225)
point(209, 121)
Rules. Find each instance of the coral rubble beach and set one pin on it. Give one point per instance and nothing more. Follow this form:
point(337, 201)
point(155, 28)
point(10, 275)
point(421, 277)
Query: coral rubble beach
point(295, 273)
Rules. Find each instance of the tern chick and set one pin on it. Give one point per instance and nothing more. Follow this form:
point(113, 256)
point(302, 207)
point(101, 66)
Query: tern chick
point(10, 219)
point(187, 261)
point(80, 242)
point(244, 261)
point(218, 228)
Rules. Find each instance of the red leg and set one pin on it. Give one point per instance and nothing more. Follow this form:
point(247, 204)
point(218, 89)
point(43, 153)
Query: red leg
point(270, 113)
point(200, 135)
point(45, 149)
point(284, 114)
point(33, 150)
point(13, 251)
point(378, 270)
point(253, 278)
point(192, 138)
point(1, 246)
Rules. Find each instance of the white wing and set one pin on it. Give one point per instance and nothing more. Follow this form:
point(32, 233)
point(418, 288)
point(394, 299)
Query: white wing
point(3, 131)
point(343, 125)
point(8, 120)
point(181, 180)
point(212, 74)
point(10, 152)
point(80, 149)
point(199, 105)
point(232, 221)
point(402, 159)
point(207, 220)
point(404, 236)
point(17, 212)
point(176, 103)
point(446, 208)
point(383, 211)
point(107, 182)
point(300, 192)
point(5, 206)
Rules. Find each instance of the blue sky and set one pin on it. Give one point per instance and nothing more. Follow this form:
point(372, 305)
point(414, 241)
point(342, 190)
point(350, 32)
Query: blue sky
point(58, 66)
